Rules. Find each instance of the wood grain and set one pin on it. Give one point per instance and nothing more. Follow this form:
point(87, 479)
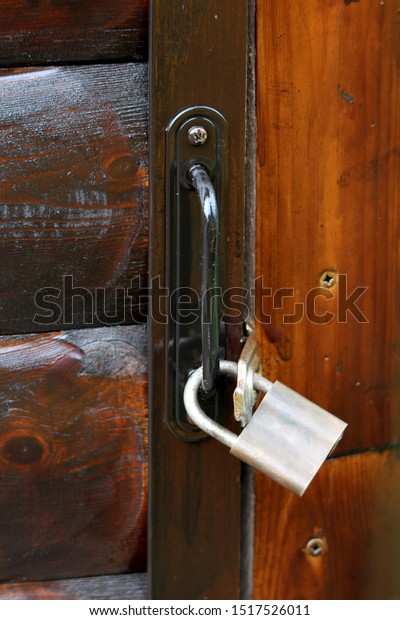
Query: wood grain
point(328, 177)
point(55, 31)
point(327, 199)
point(110, 587)
point(354, 507)
point(73, 453)
point(199, 483)
point(73, 195)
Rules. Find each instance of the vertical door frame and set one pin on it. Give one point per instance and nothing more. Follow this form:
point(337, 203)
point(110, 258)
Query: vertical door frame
point(198, 56)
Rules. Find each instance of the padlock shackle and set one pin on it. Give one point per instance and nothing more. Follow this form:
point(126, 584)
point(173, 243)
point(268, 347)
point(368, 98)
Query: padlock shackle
point(196, 413)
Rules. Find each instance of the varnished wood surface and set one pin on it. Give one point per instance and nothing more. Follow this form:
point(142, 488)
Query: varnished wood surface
point(110, 587)
point(328, 199)
point(354, 507)
point(199, 52)
point(73, 194)
point(49, 31)
point(73, 453)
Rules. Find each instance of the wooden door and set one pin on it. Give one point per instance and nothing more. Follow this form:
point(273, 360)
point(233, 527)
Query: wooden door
point(74, 278)
point(327, 233)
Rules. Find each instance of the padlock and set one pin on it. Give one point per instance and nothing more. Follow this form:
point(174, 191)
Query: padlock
point(288, 437)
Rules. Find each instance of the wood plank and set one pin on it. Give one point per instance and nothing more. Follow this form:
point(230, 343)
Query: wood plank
point(328, 178)
point(72, 30)
point(73, 453)
point(110, 587)
point(199, 483)
point(73, 194)
point(354, 507)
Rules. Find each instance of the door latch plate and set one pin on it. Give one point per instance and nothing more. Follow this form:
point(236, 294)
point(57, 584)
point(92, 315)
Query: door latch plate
point(186, 146)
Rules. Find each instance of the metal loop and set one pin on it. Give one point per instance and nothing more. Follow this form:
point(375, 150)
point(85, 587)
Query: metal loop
point(244, 396)
point(196, 413)
point(210, 315)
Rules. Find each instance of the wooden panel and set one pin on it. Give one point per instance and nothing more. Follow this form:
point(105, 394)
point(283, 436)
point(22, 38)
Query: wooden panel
point(199, 483)
point(73, 436)
point(73, 169)
point(354, 507)
point(43, 31)
point(115, 588)
point(328, 199)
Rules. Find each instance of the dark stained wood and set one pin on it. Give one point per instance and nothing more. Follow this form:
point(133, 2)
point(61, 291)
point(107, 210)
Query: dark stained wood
point(328, 199)
point(199, 53)
point(50, 31)
point(354, 507)
point(73, 195)
point(73, 453)
point(110, 587)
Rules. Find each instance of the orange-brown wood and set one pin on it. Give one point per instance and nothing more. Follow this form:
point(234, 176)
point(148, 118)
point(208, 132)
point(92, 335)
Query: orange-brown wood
point(44, 31)
point(353, 506)
point(73, 195)
point(73, 453)
point(328, 199)
point(328, 76)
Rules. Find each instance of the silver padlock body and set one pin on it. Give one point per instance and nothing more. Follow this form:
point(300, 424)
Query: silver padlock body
point(288, 438)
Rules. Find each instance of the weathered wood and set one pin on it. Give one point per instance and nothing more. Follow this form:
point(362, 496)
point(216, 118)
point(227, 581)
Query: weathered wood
point(110, 587)
point(328, 199)
point(73, 170)
point(354, 507)
point(73, 453)
point(39, 31)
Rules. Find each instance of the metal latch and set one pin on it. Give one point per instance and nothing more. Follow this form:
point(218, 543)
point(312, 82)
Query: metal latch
point(197, 195)
point(288, 437)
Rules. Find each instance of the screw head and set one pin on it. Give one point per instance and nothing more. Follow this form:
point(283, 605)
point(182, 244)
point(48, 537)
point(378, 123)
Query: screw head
point(197, 135)
point(316, 547)
point(328, 279)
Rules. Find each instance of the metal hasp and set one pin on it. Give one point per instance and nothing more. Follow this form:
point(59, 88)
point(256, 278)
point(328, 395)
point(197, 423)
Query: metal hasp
point(197, 185)
point(244, 396)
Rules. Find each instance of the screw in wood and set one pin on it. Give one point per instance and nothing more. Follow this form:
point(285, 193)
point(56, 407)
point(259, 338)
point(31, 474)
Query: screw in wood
point(328, 279)
point(316, 547)
point(197, 135)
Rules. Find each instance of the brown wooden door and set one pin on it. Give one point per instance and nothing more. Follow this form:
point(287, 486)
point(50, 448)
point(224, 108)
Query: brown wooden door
point(74, 371)
point(328, 203)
